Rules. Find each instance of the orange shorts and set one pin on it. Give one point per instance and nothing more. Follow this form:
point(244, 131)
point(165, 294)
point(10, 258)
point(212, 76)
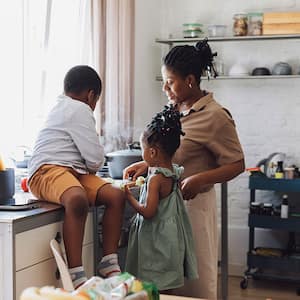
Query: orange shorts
point(49, 182)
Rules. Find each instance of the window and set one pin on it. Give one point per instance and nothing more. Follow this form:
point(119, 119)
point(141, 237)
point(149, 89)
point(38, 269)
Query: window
point(43, 39)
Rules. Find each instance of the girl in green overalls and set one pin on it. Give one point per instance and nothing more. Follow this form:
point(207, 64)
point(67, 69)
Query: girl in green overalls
point(161, 248)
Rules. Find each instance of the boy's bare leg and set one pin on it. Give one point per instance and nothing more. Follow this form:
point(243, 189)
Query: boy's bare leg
point(76, 209)
point(114, 201)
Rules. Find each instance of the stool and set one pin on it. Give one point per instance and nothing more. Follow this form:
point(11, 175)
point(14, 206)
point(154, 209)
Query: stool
point(62, 266)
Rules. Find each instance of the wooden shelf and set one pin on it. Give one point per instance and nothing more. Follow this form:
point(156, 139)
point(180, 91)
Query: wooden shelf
point(171, 41)
point(159, 78)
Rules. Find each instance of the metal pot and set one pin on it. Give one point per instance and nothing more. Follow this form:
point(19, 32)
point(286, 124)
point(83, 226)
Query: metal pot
point(117, 161)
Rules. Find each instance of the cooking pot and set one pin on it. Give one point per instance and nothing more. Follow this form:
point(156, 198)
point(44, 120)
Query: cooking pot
point(117, 161)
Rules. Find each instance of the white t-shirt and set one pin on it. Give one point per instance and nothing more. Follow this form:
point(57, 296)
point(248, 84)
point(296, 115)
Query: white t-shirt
point(68, 138)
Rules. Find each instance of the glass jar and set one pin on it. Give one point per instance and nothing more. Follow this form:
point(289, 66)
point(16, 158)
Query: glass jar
point(240, 24)
point(268, 209)
point(256, 208)
point(255, 24)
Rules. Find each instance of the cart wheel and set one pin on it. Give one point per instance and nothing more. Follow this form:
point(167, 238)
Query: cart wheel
point(244, 283)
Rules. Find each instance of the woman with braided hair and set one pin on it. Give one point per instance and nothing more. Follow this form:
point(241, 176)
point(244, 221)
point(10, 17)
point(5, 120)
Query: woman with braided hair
point(210, 153)
point(161, 247)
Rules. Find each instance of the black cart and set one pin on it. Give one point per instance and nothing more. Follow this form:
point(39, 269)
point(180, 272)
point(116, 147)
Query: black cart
point(285, 267)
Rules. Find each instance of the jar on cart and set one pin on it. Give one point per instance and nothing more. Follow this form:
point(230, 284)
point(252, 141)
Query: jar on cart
point(240, 24)
point(255, 23)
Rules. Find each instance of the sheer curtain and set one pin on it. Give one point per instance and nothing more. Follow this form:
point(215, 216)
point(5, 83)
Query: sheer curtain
point(114, 31)
point(57, 36)
point(45, 38)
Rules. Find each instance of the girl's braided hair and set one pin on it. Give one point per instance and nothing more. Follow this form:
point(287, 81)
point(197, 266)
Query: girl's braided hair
point(196, 60)
point(164, 130)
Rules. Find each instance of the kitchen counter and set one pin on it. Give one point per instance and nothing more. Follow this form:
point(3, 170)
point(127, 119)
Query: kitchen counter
point(26, 258)
point(23, 220)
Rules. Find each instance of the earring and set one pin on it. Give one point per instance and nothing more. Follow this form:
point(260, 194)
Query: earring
point(190, 86)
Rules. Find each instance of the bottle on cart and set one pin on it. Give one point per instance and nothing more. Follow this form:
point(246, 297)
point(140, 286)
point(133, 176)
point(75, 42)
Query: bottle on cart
point(279, 172)
point(284, 207)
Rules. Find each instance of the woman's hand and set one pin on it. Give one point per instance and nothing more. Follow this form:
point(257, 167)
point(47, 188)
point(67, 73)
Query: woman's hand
point(197, 183)
point(135, 170)
point(190, 187)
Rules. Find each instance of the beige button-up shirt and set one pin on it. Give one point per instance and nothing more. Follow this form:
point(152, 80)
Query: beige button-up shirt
point(210, 138)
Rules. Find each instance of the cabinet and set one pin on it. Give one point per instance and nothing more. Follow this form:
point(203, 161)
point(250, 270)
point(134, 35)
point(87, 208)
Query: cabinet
point(25, 255)
point(171, 41)
point(285, 267)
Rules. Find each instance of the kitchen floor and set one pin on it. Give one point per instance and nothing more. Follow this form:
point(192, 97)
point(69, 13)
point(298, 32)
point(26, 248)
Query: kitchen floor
point(261, 290)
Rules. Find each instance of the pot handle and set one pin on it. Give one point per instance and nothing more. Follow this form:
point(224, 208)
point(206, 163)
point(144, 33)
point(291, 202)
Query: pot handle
point(134, 145)
point(108, 158)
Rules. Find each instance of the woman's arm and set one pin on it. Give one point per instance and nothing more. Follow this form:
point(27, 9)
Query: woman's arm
point(149, 209)
point(192, 185)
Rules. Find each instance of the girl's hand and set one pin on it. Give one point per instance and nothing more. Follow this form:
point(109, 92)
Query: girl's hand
point(127, 191)
point(190, 187)
point(135, 170)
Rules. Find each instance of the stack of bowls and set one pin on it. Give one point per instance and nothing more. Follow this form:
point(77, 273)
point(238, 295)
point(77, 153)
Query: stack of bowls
point(192, 30)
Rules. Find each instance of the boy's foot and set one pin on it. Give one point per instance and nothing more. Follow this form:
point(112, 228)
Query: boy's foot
point(78, 276)
point(109, 266)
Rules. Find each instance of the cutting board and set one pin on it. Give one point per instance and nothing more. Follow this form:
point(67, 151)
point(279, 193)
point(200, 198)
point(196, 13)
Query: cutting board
point(281, 17)
point(285, 28)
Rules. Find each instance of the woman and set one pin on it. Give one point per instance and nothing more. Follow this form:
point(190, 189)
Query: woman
point(210, 153)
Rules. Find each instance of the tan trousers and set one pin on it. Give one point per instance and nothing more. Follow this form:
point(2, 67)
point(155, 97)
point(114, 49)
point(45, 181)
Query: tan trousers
point(202, 211)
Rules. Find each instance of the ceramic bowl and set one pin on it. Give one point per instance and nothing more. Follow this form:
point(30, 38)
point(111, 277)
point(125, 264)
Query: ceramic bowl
point(282, 68)
point(261, 71)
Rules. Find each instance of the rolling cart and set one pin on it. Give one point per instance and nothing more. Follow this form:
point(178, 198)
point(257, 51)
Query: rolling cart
point(282, 268)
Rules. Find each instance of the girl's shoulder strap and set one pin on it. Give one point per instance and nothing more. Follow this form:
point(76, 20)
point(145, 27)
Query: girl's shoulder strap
point(175, 173)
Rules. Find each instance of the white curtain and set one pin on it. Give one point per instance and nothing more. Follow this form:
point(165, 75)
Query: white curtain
point(57, 36)
point(43, 40)
point(114, 20)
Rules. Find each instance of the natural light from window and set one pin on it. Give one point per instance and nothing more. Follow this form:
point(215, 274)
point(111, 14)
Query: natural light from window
point(42, 39)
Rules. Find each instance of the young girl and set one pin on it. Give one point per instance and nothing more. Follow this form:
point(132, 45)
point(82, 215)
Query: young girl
point(160, 248)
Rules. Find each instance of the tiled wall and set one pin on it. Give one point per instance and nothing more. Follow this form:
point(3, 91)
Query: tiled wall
point(266, 111)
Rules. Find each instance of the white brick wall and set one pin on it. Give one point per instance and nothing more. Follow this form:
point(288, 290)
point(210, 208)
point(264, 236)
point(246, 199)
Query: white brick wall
point(267, 112)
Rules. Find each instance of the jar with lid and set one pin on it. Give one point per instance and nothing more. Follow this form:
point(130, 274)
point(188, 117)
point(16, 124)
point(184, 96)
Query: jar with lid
point(255, 208)
point(268, 209)
point(255, 24)
point(240, 24)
